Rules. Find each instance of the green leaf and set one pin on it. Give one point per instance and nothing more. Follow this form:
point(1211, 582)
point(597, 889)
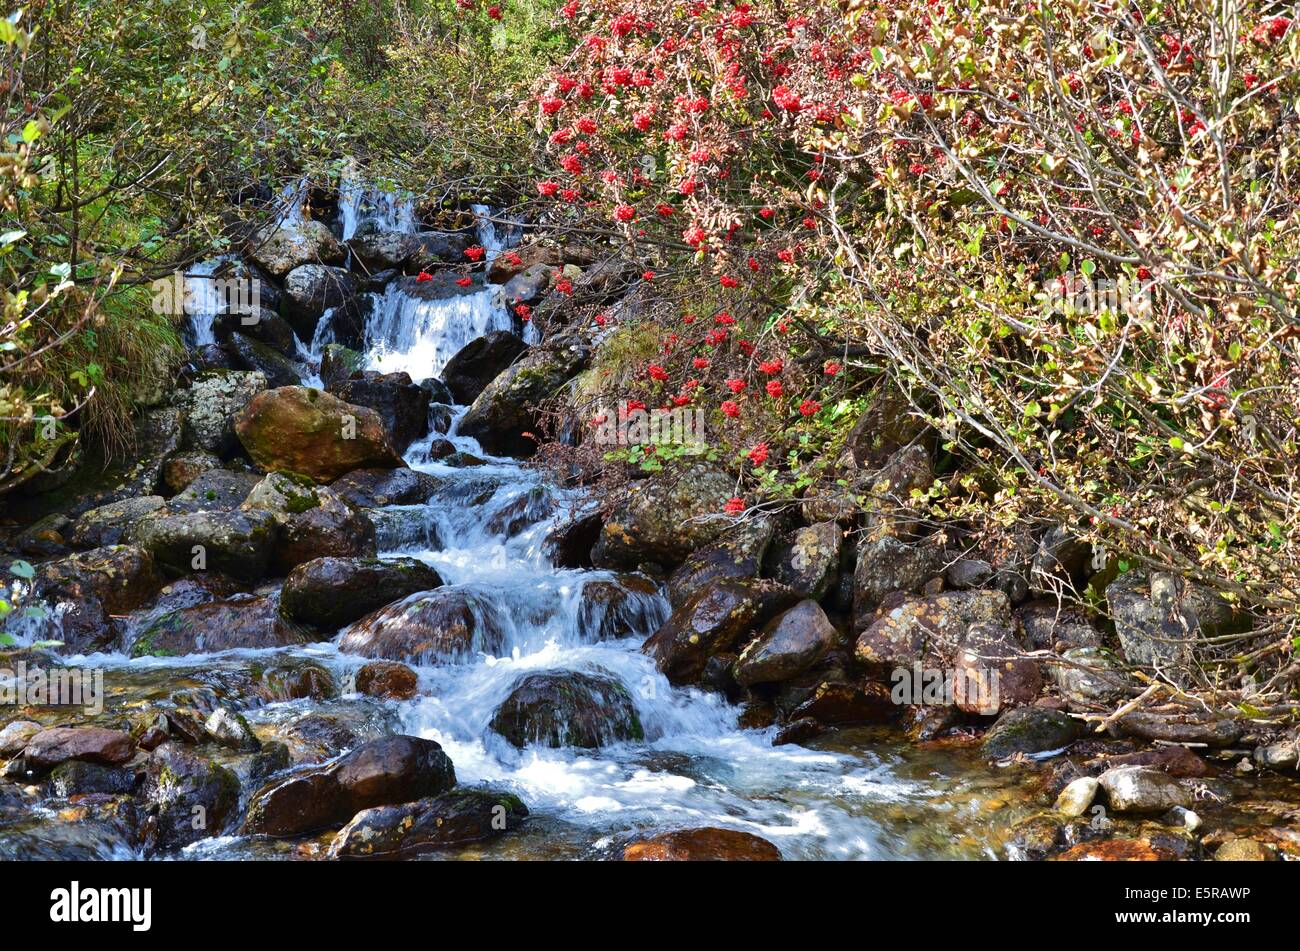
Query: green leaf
point(22, 569)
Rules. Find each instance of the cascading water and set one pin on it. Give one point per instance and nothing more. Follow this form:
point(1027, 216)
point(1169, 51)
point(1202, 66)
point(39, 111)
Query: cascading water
point(405, 332)
point(204, 300)
point(379, 210)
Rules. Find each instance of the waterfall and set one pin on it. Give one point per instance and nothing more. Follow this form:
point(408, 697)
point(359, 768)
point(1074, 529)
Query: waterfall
point(379, 210)
point(419, 336)
point(205, 299)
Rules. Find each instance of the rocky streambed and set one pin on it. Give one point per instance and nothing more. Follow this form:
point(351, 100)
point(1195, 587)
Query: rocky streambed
point(332, 616)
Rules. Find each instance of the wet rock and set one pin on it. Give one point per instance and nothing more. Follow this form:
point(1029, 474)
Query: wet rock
point(1142, 789)
point(243, 621)
point(1158, 617)
point(1244, 850)
point(213, 403)
point(567, 708)
point(527, 286)
point(806, 560)
point(189, 798)
point(439, 627)
point(314, 522)
point(1089, 678)
point(628, 605)
point(458, 817)
point(47, 537)
point(479, 362)
point(230, 729)
point(703, 845)
point(665, 517)
point(309, 432)
point(798, 731)
point(262, 324)
point(293, 679)
point(1030, 730)
point(78, 833)
point(279, 250)
point(1036, 837)
point(1181, 728)
point(886, 565)
point(990, 656)
point(569, 545)
point(1115, 850)
point(90, 744)
point(711, 622)
point(331, 592)
point(114, 523)
point(928, 627)
point(736, 553)
point(1076, 798)
point(387, 680)
point(413, 527)
point(239, 544)
point(402, 405)
point(184, 467)
point(756, 715)
point(506, 409)
point(382, 250)
point(788, 645)
point(76, 778)
point(372, 488)
point(216, 491)
point(87, 590)
point(249, 354)
point(524, 511)
point(382, 772)
point(1280, 755)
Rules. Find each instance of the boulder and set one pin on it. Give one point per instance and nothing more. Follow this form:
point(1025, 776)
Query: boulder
point(218, 490)
point(1076, 798)
point(241, 621)
point(239, 544)
point(87, 744)
point(886, 565)
point(184, 467)
point(250, 354)
point(338, 362)
point(315, 522)
point(374, 488)
point(281, 249)
point(213, 403)
point(928, 628)
point(382, 250)
point(189, 798)
point(1088, 678)
point(1142, 789)
point(507, 407)
point(229, 728)
point(736, 553)
point(389, 771)
point(806, 560)
point(479, 362)
point(1244, 850)
point(567, 708)
point(114, 523)
point(710, 622)
point(458, 817)
point(402, 405)
point(437, 627)
point(569, 545)
point(309, 432)
point(788, 645)
point(85, 591)
point(312, 289)
point(330, 592)
point(1030, 730)
point(992, 673)
point(77, 778)
point(702, 845)
point(665, 517)
point(1158, 617)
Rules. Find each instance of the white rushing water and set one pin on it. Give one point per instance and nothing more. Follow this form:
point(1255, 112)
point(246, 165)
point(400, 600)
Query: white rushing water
point(360, 203)
point(404, 332)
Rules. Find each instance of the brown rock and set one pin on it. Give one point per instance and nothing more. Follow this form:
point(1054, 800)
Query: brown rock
point(703, 845)
point(388, 680)
point(88, 744)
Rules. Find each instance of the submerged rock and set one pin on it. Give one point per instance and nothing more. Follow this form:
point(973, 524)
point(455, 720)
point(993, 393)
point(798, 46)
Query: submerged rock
point(309, 432)
point(382, 772)
point(628, 605)
point(458, 817)
point(331, 592)
point(702, 845)
point(567, 708)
